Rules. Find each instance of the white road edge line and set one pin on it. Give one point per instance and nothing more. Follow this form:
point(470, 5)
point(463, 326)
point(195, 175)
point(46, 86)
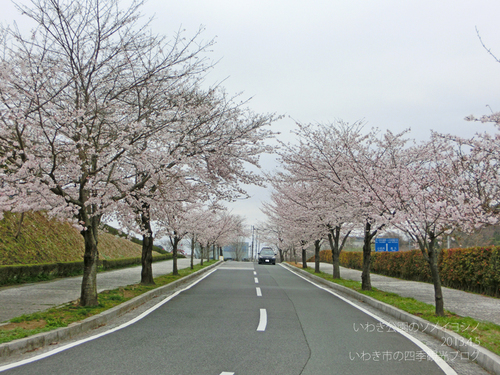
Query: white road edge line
point(130, 322)
point(436, 358)
point(262, 321)
point(259, 292)
point(256, 280)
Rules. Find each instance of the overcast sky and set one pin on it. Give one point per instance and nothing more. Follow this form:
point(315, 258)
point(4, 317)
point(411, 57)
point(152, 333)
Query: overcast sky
point(396, 64)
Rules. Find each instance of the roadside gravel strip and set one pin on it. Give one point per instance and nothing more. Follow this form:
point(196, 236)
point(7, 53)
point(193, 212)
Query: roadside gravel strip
point(61, 334)
point(488, 360)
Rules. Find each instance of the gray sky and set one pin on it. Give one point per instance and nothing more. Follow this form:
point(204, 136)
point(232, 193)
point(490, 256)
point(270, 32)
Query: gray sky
point(396, 64)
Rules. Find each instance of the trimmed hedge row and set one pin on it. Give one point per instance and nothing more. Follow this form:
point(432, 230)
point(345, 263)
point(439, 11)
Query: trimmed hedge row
point(474, 269)
point(38, 272)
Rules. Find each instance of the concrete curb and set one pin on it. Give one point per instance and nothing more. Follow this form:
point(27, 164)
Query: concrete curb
point(52, 337)
point(485, 358)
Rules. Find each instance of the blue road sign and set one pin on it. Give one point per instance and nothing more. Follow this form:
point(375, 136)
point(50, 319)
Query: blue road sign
point(386, 244)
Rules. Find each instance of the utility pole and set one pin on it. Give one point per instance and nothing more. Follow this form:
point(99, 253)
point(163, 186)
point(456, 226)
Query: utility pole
point(257, 241)
point(252, 243)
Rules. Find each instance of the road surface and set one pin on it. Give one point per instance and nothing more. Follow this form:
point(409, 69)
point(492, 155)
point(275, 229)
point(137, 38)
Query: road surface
point(244, 318)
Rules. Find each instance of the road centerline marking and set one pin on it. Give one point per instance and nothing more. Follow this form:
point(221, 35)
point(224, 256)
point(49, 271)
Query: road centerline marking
point(256, 280)
point(262, 321)
point(259, 292)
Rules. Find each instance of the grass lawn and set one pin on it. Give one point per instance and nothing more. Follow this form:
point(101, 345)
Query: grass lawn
point(62, 316)
point(483, 333)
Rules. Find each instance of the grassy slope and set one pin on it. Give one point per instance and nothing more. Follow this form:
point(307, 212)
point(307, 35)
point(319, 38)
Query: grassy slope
point(44, 240)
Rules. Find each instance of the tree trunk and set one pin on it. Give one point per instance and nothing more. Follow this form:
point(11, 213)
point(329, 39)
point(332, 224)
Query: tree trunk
point(316, 255)
point(304, 260)
point(175, 241)
point(432, 259)
point(193, 243)
point(202, 253)
point(208, 253)
point(436, 280)
point(281, 255)
point(334, 245)
point(213, 250)
point(88, 296)
point(19, 226)
point(147, 261)
point(147, 250)
point(367, 257)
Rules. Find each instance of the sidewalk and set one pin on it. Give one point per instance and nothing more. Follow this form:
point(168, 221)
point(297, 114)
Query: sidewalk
point(462, 303)
point(30, 298)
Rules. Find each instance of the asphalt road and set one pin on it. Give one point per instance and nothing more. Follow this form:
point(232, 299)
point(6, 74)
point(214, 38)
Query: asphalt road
point(246, 319)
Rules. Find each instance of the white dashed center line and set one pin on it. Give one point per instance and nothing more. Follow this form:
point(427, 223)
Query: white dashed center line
point(256, 280)
point(259, 292)
point(263, 321)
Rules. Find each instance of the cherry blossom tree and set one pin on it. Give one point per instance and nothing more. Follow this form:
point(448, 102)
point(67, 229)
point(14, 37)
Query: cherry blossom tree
point(208, 149)
point(66, 119)
point(479, 159)
point(364, 183)
point(321, 158)
point(425, 196)
point(176, 224)
point(219, 229)
point(97, 110)
point(272, 233)
point(294, 210)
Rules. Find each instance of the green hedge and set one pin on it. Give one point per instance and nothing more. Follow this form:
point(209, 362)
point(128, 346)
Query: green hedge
point(474, 269)
point(408, 265)
point(38, 272)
